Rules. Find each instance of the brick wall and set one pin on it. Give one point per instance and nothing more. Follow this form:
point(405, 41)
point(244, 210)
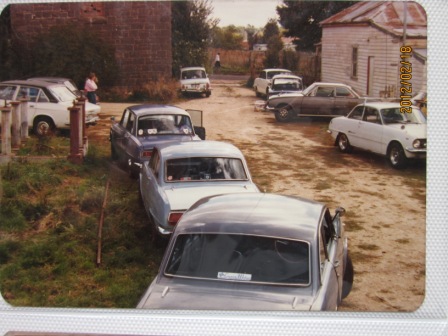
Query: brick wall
point(140, 32)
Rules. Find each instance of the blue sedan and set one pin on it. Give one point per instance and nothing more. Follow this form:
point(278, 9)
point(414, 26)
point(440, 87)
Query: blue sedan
point(141, 127)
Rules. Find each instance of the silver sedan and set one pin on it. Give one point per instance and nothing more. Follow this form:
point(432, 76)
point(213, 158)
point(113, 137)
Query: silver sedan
point(254, 251)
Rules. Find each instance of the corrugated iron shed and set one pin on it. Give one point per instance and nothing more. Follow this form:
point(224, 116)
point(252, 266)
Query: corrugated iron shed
point(387, 15)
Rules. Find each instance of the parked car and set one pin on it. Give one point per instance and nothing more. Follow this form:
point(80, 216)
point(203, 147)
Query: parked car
point(262, 82)
point(194, 80)
point(177, 175)
point(142, 127)
point(381, 128)
point(254, 251)
point(48, 104)
point(69, 83)
point(282, 84)
point(317, 100)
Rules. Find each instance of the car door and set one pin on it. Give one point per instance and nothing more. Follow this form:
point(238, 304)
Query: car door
point(344, 101)
point(318, 102)
point(152, 192)
point(39, 105)
point(370, 131)
point(329, 294)
point(351, 126)
point(123, 138)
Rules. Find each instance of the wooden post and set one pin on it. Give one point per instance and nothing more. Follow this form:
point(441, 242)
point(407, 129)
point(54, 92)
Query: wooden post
point(15, 129)
point(24, 118)
point(81, 103)
point(75, 155)
point(6, 131)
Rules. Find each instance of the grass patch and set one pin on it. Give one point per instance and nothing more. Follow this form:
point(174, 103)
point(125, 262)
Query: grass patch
point(49, 219)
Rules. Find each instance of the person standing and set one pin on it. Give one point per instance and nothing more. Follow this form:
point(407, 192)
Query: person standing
point(90, 87)
point(217, 62)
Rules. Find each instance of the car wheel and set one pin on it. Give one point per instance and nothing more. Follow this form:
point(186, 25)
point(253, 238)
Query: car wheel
point(43, 126)
point(344, 143)
point(207, 94)
point(283, 113)
point(257, 94)
point(396, 156)
point(347, 281)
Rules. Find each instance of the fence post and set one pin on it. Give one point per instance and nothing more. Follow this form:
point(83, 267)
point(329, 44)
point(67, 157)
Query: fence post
point(75, 155)
point(24, 118)
point(6, 130)
point(81, 103)
point(15, 129)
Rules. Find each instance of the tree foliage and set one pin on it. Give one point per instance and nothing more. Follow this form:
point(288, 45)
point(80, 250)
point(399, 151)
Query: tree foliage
point(301, 19)
point(191, 29)
point(272, 37)
point(230, 37)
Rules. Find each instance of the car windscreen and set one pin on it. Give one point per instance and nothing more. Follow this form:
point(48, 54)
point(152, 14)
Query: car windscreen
point(190, 74)
point(204, 169)
point(275, 73)
point(394, 115)
point(241, 258)
point(164, 124)
point(286, 84)
point(61, 93)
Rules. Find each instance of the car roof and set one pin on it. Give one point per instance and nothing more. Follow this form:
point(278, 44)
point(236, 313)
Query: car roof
point(40, 83)
point(204, 148)
point(276, 69)
point(145, 109)
point(256, 214)
point(192, 68)
point(381, 104)
point(286, 76)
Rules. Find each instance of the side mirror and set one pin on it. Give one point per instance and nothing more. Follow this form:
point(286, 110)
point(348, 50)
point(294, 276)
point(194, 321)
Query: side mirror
point(340, 211)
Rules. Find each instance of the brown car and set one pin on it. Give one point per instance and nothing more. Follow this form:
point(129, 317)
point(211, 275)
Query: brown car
point(318, 100)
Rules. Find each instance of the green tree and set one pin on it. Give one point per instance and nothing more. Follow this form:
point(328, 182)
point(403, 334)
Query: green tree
point(271, 36)
point(191, 31)
point(301, 19)
point(229, 37)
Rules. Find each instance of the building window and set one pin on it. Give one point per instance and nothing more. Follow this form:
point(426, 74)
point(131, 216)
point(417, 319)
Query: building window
point(355, 61)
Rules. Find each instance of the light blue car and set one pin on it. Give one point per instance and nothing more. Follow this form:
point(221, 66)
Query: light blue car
point(179, 174)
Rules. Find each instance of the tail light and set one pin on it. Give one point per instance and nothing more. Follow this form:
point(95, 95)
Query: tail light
point(174, 217)
point(146, 154)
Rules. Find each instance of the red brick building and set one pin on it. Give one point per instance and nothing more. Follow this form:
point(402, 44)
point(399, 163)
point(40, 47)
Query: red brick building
point(139, 31)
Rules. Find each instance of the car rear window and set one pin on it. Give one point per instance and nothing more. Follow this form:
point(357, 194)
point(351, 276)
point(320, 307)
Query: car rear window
point(165, 124)
point(204, 168)
point(241, 258)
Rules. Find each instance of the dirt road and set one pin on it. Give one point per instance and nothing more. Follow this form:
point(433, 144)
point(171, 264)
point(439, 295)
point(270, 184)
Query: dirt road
point(386, 208)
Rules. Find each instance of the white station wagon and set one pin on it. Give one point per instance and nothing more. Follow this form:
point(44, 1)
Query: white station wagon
point(381, 128)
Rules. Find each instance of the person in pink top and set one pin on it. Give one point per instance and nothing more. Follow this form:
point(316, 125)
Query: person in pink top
point(90, 87)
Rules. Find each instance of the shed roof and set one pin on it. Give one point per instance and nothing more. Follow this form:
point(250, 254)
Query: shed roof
point(386, 15)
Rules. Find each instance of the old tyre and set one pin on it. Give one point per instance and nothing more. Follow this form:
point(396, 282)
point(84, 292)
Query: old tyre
point(395, 155)
point(347, 281)
point(43, 126)
point(283, 113)
point(344, 143)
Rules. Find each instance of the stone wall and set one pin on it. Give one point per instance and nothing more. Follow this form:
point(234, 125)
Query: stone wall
point(139, 31)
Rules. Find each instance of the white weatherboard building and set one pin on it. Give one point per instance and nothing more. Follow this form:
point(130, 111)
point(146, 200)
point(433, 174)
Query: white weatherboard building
point(360, 47)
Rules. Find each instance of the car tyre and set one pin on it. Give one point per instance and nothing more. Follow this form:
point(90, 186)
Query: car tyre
point(395, 154)
point(257, 94)
point(43, 126)
point(343, 143)
point(347, 281)
point(283, 113)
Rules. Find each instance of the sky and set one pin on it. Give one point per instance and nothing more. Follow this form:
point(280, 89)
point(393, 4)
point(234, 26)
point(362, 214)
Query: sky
point(244, 12)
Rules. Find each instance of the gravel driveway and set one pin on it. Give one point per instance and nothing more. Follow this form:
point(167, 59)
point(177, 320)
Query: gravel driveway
point(386, 208)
